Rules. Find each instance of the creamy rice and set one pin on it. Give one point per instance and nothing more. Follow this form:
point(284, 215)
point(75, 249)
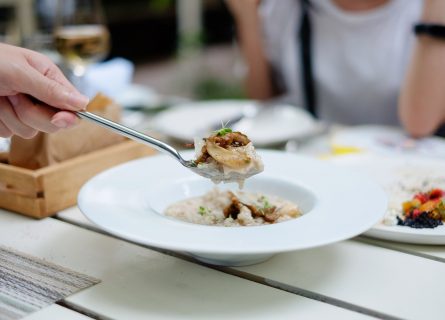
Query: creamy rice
point(209, 209)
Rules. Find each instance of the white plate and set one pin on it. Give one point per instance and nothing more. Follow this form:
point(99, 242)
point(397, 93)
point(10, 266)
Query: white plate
point(143, 97)
point(388, 141)
point(128, 201)
point(386, 171)
point(276, 124)
point(138, 95)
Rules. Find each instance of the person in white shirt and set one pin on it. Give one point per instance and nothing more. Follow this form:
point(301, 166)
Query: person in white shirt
point(364, 63)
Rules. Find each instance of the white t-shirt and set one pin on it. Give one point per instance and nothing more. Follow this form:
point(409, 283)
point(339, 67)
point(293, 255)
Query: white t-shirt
point(359, 58)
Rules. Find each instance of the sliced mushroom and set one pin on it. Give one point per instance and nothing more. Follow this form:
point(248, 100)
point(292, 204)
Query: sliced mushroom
point(232, 139)
point(271, 216)
point(203, 156)
point(232, 157)
point(234, 208)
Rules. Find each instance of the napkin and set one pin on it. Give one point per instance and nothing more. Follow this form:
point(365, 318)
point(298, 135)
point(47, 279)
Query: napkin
point(112, 78)
point(30, 284)
point(50, 148)
point(4, 149)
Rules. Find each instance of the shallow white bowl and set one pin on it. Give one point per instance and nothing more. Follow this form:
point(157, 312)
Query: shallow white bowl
point(128, 201)
point(272, 125)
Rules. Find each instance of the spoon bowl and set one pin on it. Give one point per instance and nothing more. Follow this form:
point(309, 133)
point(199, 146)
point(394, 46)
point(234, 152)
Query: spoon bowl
point(208, 172)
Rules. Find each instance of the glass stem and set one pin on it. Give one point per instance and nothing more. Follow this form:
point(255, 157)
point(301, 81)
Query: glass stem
point(78, 78)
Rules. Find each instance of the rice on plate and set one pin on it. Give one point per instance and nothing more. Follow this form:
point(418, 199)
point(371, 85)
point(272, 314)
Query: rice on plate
point(411, 182)
point(233, 209)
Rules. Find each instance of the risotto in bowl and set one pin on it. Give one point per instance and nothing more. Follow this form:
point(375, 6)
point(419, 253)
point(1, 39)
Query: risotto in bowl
point(296, 203)
point(263, 201)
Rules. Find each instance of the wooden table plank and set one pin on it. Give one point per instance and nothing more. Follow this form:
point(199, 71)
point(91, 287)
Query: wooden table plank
point(431, 252)
point(388, 281)
point(75, 216)
point(381, 266)
point(138, 283)
point(56, 312)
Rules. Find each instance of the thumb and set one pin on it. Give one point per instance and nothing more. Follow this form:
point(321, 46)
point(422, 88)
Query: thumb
point(54, 93)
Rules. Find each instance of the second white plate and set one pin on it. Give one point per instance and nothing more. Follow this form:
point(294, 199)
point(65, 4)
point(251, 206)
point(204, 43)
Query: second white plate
point(389, 141)
point(392, 170)
point(276, 124)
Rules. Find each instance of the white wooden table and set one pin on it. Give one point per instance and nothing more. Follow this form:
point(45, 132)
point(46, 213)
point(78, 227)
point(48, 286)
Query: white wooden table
point(354, 279)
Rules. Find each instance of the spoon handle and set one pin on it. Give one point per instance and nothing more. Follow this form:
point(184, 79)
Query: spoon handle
point(130, 133)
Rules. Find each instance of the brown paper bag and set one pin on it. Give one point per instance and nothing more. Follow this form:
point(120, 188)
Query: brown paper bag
point(46, 149)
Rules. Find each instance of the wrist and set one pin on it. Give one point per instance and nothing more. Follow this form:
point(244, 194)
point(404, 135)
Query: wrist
point(430, 49)
point(430, 30)
point(433, 11)
point(430, 34)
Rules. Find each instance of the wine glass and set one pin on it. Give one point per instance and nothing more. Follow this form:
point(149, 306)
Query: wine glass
point(80, 36)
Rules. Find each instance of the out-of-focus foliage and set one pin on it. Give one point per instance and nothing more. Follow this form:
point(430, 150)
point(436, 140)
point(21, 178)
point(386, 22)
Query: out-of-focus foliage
point(212, 88)
point(160, 6)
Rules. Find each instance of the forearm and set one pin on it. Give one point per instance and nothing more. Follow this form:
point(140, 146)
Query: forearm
point(422, 99)
point(258, 78)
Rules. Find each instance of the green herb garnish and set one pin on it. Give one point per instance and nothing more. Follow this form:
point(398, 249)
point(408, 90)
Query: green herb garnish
point(265, 202)
point(223, 131)
point(203, 210)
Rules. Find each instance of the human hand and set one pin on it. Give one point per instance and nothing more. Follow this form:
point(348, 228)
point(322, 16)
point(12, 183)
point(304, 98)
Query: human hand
point(25, 77)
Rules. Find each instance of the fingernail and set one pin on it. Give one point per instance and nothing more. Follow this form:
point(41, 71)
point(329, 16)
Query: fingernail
point(14, 100)
point(60, 123)
point(77, 100)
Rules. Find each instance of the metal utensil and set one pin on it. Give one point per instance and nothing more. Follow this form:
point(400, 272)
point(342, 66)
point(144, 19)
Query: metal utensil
point(250, 111)
point(214, 175)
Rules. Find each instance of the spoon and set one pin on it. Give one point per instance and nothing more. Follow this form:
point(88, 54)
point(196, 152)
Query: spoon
point(211, 173)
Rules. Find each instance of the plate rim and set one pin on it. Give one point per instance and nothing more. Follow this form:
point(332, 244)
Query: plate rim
point(274, 249)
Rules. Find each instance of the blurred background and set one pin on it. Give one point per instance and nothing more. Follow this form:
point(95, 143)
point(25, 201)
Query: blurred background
point(173, 66)
point(179, 48)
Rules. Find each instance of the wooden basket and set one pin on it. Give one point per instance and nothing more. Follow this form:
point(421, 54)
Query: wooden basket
point(41, 193)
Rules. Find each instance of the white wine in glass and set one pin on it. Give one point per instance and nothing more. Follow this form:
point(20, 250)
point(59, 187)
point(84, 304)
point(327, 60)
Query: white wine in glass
point(80, 35)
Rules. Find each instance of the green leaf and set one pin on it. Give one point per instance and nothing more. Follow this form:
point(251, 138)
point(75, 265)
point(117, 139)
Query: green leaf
point(203, 210)
point(223, 131)
point(265, 202)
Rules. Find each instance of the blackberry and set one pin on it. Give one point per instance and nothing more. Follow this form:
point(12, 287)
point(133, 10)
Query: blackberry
point(422, 221)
